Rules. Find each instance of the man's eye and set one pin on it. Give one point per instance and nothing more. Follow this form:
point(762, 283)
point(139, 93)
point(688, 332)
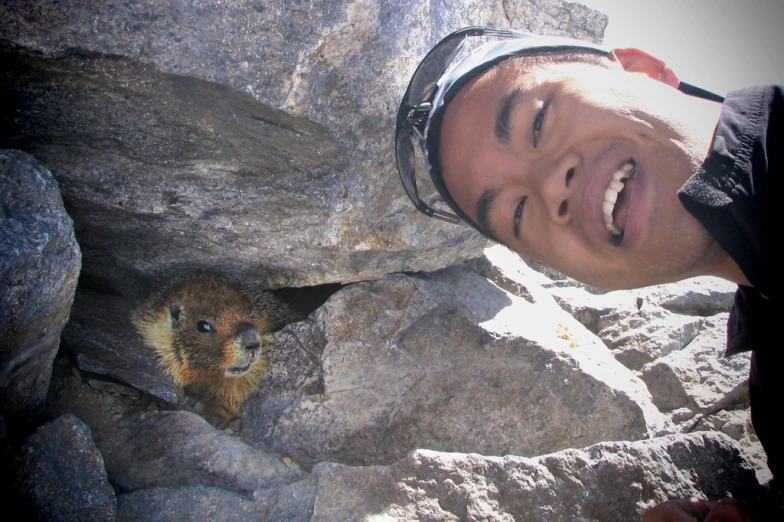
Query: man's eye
point(538, 122)
point(518, 214)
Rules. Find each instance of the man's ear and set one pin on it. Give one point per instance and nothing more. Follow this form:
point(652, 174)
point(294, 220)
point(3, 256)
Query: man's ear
point(634, 60)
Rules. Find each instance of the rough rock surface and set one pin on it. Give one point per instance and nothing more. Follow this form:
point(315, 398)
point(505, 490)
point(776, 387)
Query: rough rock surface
point(608, 482)
point(413, 362)
point(698, 375)
point(179, 127)
point(649, 323)
point(445, 361)
point(652, 321)
point(60, 475)
point(98, 337)
point(186, 504)
point(158, 449)
point(180, 448)
point(39, 267)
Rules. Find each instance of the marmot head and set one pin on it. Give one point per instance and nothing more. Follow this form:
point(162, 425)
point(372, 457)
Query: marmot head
point(215, 330)
point(209, 331)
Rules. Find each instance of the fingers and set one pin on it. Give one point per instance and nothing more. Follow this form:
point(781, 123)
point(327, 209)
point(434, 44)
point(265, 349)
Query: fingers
point(697, 510)
point(729, 510)
point(680, 510)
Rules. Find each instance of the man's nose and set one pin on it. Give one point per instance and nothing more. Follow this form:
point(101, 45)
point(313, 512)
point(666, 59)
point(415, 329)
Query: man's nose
point(558, 189)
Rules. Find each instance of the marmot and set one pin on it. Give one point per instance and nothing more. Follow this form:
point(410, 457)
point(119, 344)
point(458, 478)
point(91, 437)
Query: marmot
point(209, 332)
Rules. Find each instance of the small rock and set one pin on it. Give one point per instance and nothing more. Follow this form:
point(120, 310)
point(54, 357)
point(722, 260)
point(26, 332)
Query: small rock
point(115, 388)
point(178, 448)
point(39, 266)
point(699, 376)
point(194, 503)
point(60, 474)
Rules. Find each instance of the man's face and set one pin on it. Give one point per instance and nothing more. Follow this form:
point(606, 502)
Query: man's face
point(533, 156)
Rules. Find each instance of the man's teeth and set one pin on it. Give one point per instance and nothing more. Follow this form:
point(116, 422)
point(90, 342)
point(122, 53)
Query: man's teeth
point(611, 196)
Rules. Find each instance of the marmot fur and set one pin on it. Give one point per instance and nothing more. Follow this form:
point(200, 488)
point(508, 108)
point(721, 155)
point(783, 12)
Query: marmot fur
point(209, 333)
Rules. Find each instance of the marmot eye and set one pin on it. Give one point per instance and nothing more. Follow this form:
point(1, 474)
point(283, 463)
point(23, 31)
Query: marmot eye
point(204, 326)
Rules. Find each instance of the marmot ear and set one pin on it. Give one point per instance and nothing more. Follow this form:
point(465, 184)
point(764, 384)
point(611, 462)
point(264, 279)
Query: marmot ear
point(175, 307)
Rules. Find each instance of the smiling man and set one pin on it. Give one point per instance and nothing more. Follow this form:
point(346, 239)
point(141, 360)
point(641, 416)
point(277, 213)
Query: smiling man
point(576, 166)
point(604, 166)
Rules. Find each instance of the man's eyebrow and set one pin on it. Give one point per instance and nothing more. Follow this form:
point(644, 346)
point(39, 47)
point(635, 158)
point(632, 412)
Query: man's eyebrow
point(483, 207)
point(503, 119)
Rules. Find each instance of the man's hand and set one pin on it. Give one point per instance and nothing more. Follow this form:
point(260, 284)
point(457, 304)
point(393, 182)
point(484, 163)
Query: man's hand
point(697, 510)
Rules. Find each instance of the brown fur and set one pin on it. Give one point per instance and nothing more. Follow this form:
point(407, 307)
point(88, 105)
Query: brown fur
point(210, 335)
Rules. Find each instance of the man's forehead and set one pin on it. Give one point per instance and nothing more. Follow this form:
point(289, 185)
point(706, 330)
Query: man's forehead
point(485, 80)
point(494, 82)
point(513, 74)
point(468, 123)
point(467, 111)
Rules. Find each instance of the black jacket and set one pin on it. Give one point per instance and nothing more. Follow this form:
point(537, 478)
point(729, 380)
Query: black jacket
point(733, 193)
point(735, 196)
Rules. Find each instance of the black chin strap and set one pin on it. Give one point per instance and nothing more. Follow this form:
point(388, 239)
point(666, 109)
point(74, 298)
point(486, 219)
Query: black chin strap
point(691, 90)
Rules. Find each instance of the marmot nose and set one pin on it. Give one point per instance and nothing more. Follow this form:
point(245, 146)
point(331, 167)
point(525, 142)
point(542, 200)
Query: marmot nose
point(250, 339)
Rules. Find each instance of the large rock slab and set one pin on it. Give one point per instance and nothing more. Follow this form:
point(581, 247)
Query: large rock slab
point(703, 296)
point(699, 376)
point(609, 482)
point(447, 362)
point(672, 335)
point(643, 325)
point(253, 134)
point(102, 340)
point(145, 446)
point(60, 475)
point(178, 448)
point(189, 503)
point(39, 267)
point(647, 334)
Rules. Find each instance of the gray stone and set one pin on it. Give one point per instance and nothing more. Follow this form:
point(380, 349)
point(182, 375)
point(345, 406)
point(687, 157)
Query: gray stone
point(413, 362)
point(194, 503)
point(146, 446)
point(609, 482)
point(178, 448)
point(293, 503)
point(508, 271)
point(569, 19)
point(114, 388)
point(293, 368)
point(60, 475)
point(699, 376)
point(703, 296)
point(737, 425)
point(647, 334)
point(100, 410)
point(266, 126)
point(102, 341)
point(698, 296)
point(643, 325)
point(39, 267)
